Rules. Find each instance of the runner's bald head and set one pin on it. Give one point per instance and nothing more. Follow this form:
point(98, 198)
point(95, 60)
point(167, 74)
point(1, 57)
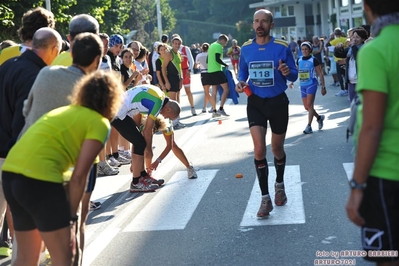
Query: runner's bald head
point(264, 12)
point(46, 37)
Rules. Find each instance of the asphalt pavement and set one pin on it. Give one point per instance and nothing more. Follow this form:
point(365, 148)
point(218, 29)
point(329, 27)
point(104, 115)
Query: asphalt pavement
point(212, 220)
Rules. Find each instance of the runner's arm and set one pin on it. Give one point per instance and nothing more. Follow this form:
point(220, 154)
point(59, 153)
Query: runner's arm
point(190, 59)
point(164, 65)
point(219, 60)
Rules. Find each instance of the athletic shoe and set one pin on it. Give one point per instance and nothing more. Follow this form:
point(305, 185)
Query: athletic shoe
point(342, 93)
point(113, 162)
point(103, 168)
point(191, 173)
point(280, 198)
point(216, 114)
point(320, 121)
point(126, 154)
point(45, 258)
point(5, 249)
point(308, 130)
point(151, 180)
point(193, 111)
point(204, 110)
point(265, 208)
point(142, 186)
point(210, 110)
point(179, 125)
point(223, 112)
point(95, 205)
point(123, 160)
point(337, 84)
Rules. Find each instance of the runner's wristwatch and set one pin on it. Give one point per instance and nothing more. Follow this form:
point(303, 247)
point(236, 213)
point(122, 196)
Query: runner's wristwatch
point(354, 185)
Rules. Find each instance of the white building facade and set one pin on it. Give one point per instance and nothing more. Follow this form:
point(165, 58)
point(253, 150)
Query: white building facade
point(306, 18)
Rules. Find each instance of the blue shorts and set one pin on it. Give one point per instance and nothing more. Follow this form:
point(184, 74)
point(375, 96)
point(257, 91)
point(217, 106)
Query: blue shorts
point(311, 89)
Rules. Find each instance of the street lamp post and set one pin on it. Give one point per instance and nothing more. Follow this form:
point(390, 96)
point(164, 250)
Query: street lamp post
point(159, 18)
point(48, 5)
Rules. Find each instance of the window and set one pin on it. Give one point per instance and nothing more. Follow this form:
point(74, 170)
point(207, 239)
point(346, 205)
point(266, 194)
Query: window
point(344, 2)
point(284, 32)
point(291, 11)
point(276, 32)
point(333, 3)
point(355, 2)
point(281, 31)
point(277, 12)
point(357, 22)
point(308, 9)
point(292, 32)
point(284, 11)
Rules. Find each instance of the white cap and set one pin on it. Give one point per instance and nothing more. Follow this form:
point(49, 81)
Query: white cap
point(156, 44)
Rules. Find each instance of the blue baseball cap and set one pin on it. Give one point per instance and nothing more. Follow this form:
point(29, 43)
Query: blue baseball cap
point(115, 40)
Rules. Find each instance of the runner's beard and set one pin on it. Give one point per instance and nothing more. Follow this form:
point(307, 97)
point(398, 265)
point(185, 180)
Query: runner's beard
point(261, 32)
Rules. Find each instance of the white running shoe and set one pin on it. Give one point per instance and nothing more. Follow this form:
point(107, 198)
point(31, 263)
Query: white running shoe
point(123, 160)
point(223, 112)
point(103, 168)
point(113, 162)
point(191, 173)
point(308, 130)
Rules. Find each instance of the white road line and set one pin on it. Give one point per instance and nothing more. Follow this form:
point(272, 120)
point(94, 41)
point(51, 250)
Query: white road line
point(103, 238)
point(291, 213)
point(93, 250)
point(349, 169)
point(174, 204)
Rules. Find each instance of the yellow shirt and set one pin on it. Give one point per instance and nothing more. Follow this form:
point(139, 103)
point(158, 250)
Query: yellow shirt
point(63, 59)
point(337, 41)
point(52, 145)
point(11, 52)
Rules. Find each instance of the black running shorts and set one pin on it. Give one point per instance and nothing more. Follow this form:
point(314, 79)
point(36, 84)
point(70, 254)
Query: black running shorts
point(205, 79)
point(174, 83)
point(129, 130)
point(35, 203)
point(380, 210)
point(217, 78)
point(275, 110)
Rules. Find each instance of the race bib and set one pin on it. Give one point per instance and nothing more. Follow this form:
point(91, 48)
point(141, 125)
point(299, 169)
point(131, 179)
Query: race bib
point(261, 73)
point(304, 75)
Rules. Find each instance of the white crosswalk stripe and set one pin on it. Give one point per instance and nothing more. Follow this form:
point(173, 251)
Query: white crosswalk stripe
point(349, 169)
point(291, 213)
point(174, 204)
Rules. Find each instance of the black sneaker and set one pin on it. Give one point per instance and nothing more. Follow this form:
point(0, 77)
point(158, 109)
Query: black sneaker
point(95, 205)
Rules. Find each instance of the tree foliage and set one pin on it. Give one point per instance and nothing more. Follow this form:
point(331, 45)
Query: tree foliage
point(114, 16)
point(199, 20)
point(143, 18)
point(195, 20)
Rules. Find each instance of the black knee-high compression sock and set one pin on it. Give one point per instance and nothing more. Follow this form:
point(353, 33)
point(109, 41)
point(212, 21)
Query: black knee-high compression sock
point(262, 171)
point(280, 167)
